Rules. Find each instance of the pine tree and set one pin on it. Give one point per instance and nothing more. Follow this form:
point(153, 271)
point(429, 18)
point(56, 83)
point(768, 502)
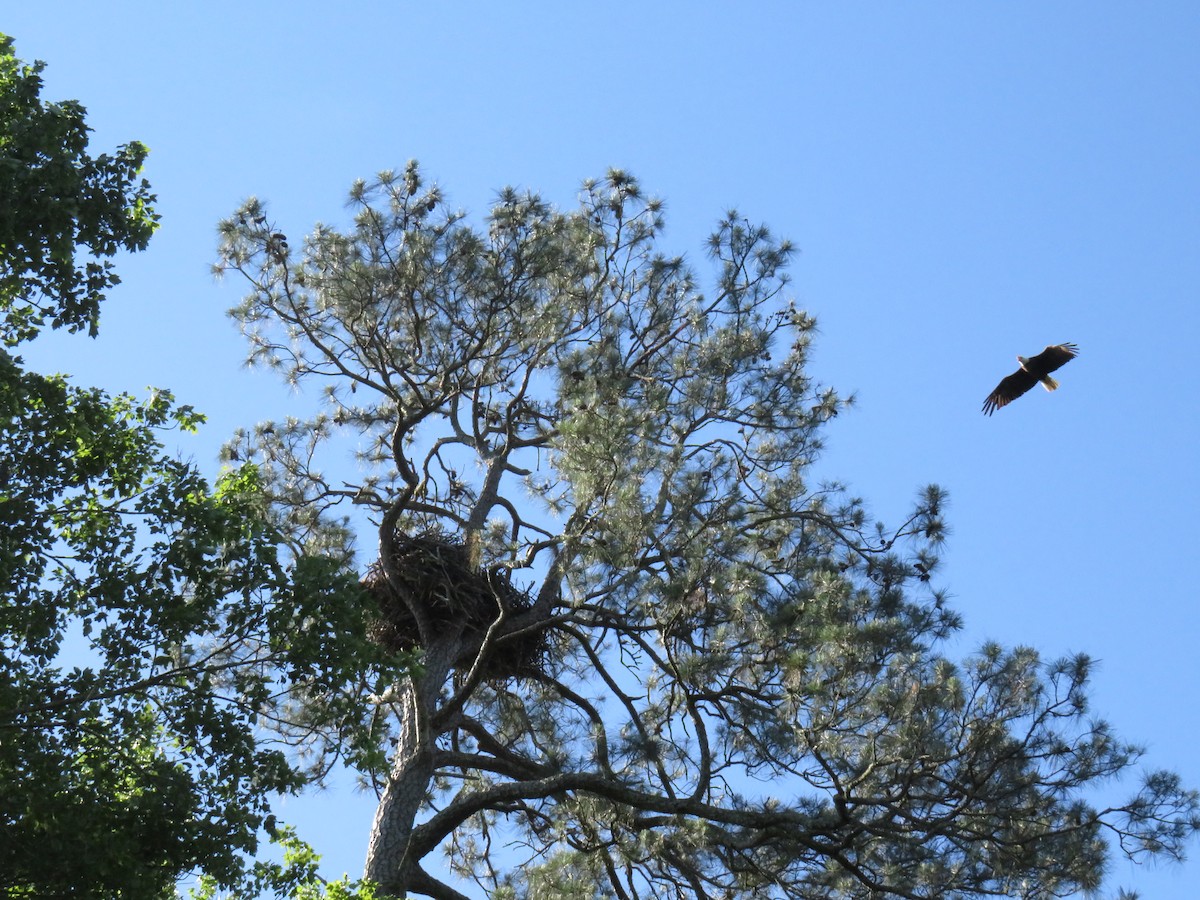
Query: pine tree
point(657, 657)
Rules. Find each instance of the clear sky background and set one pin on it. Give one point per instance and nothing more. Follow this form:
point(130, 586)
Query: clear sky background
point(965, 181)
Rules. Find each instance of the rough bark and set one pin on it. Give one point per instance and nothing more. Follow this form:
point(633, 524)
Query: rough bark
point(388, 860)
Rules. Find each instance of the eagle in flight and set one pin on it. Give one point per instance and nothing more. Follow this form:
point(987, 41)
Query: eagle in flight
point(1033, 369)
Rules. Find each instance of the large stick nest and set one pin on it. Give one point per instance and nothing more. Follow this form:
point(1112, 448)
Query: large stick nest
point(432, 573)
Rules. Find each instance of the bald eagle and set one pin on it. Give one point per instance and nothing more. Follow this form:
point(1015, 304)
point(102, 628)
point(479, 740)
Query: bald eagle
point(1033, 369)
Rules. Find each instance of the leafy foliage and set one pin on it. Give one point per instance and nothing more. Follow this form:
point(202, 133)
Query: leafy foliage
point(133, 767)
point(743, 693)
point(122, 774)
point(59, 200)
point(147, 618)
point(296, 876)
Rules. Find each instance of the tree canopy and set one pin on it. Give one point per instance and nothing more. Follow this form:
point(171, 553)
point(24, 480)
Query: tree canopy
point(140, 606)
point(658, 659)
point(60, 201)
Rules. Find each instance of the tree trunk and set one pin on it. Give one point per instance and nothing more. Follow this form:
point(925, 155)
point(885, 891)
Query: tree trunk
point(388, 862)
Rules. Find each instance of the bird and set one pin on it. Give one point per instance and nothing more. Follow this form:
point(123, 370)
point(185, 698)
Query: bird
point(1033, 369)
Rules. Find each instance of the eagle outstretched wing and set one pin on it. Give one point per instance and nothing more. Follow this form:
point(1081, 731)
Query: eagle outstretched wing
point(1008, 390)
point(1053, 357)
point(1035, 369)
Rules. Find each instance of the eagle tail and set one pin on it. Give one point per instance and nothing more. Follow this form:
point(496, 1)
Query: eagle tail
point(1049, 383)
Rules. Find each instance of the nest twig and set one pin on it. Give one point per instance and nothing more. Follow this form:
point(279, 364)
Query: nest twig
point(434, 575)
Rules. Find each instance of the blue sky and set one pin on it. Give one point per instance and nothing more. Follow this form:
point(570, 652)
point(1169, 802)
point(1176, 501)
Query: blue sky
point(965, 182)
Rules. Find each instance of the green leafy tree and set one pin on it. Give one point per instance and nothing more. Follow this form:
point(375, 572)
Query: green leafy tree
point(658, 659)
point(147, 618)
point(60, 203)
